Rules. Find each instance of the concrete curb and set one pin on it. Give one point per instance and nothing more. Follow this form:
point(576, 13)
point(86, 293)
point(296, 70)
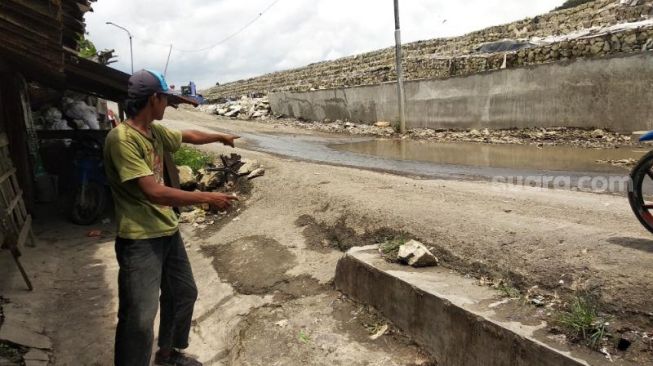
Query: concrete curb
point(450, 316)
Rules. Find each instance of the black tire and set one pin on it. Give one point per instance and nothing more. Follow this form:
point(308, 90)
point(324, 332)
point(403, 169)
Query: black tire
point(638, 203)
point(95, 201)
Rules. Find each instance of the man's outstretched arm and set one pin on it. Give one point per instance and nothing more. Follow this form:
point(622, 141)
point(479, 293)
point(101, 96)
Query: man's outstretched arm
point(200, 138)
point(166, 196)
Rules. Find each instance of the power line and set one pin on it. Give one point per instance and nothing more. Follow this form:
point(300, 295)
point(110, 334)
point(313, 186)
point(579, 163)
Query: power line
point(222, 40)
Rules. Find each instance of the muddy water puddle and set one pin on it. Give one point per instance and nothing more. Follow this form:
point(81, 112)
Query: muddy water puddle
point(529, 157)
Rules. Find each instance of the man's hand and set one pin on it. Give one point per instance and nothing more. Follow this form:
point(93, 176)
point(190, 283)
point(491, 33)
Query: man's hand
point(220, 201)
point(228, 140)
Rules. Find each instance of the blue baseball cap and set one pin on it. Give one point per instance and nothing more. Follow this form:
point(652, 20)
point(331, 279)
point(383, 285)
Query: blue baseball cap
point(147, 82)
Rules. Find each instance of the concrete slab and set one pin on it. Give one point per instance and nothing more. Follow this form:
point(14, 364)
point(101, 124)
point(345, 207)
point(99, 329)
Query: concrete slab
point(452, 317)
point(16, 333)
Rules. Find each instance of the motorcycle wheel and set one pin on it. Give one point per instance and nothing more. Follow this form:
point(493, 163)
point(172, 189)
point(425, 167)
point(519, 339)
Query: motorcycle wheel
point(641, 201)
point(89, 203)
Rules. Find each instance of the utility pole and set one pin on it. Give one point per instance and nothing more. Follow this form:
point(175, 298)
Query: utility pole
point(131, 50)
point(400, 73)
point(165, 70)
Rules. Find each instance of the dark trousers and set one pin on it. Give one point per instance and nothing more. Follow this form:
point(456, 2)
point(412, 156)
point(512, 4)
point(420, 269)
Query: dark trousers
point(147, 266)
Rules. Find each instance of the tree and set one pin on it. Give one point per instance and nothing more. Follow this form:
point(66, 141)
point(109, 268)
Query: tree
point(86, 47)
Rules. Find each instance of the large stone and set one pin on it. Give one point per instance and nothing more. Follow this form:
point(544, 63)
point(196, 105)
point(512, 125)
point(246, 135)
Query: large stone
point(415, 254)
point(382, 124)
point(248, 167)
point(186, 177)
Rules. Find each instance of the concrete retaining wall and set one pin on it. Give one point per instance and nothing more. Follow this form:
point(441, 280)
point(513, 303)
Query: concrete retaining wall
point(454, 319)
point(614, 93)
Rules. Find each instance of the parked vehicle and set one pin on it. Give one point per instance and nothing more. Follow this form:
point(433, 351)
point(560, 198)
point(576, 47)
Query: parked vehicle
point(92, 191)
point(640, 191)
point(190, 91)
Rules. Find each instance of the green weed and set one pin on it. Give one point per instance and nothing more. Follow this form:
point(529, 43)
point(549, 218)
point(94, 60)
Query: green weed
point(303, 337)
point(582, 321)
point(390, 248)
point(508, 291)
point(192, 157)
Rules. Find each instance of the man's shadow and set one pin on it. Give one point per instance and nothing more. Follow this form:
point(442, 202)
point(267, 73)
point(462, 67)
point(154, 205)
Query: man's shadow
point(645, 245)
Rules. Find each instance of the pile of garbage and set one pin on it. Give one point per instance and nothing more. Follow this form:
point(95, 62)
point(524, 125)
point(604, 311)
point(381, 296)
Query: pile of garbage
point(228, 174)
point(73, 115)
point(243, 108)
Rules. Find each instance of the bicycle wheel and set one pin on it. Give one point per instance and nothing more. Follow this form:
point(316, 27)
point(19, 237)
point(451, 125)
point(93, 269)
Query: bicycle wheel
point(640, 191)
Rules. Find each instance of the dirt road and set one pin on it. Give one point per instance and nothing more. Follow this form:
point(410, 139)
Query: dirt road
point(264, 274)
point(560, 241)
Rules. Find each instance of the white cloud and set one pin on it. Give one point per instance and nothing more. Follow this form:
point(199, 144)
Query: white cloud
point(292, 33)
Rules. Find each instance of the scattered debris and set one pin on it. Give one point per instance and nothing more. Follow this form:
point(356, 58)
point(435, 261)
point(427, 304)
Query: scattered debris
point(256, 173)
point(415, 254)
point(197, 215)
point(607, 355)
point(382, 330)
point(244, 108)
point(282, 323)
point(248, 167)
point(624, 163)
point(553, 136)
point(226, 174)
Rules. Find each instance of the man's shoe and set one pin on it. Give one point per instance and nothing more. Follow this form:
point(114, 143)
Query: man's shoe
point(176, 358)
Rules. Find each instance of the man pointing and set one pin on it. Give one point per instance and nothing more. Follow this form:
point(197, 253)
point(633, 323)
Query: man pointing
point(150, 251)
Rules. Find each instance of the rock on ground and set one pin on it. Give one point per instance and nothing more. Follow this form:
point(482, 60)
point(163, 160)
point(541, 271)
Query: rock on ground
point(256, 173)
point(248, 167)
point(415, 254)
point(186, 177)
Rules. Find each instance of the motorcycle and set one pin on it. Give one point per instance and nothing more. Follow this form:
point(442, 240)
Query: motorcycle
point(92, 193)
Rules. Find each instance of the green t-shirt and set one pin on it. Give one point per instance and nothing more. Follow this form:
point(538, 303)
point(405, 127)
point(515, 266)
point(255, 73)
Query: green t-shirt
point(129, 154)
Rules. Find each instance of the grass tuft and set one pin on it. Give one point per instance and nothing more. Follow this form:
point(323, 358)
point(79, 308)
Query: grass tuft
point(192, 157)
point(390, 248)
point(303, 337)
point(508, 291)
point(582, 321)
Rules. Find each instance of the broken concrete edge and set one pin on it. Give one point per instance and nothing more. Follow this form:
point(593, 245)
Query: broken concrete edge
point(444, 325)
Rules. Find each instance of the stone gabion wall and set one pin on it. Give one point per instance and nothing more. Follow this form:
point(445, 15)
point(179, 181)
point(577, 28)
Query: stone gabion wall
point(443, 58)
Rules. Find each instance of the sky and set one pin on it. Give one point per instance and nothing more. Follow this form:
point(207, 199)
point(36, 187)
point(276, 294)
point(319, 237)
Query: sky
point(288, 34)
